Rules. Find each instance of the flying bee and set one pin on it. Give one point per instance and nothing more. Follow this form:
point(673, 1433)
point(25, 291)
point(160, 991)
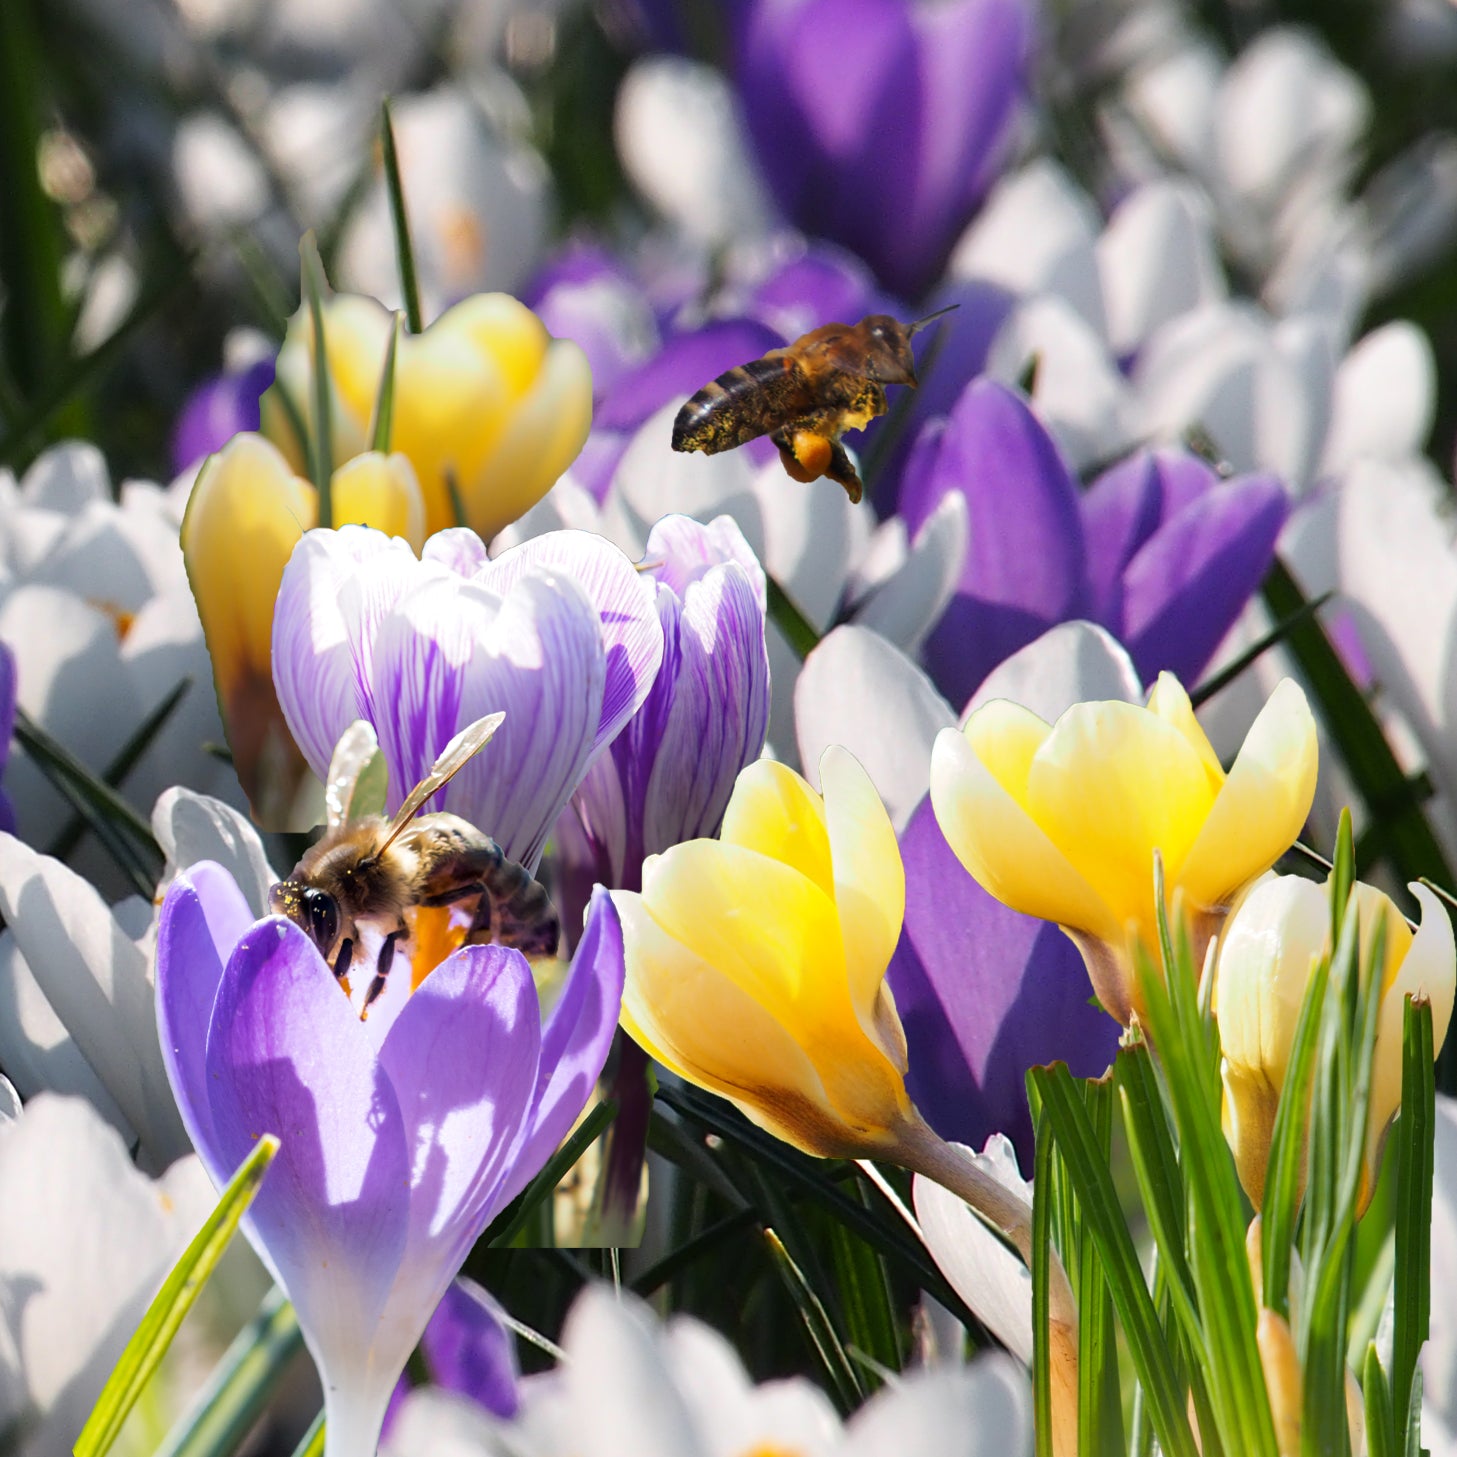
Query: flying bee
point(372, 870)
point(805, 396)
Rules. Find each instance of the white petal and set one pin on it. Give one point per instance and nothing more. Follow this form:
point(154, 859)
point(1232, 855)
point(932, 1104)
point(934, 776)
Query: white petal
point(1385, 397)
point(906, 602)
point(1036, 234)
point(681, 143)
point(447, 1424)
point(1074, 662)
point(192, 827)
point(861, 691)
point(9, 1101)
point(983, 1271)
point(1439, 1358)
point(1077, 389)
point(982, 1410)
point(1157, 259)
point(99, 983)
point(67, 478)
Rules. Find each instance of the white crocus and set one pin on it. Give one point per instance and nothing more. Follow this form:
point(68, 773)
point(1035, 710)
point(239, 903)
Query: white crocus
point(632, 1387)
point(94, 603)
point(85, 1241)
point(1439, 1356)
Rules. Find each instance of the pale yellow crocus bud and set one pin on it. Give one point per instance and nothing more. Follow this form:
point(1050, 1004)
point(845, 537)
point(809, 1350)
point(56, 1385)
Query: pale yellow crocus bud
point(487, 405)
point(1063, 821)
point(1266, 955)
point(244, 517)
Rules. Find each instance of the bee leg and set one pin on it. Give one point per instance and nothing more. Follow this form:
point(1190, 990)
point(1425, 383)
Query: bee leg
point(842, 469)
point(382, 970)
point(345, 959)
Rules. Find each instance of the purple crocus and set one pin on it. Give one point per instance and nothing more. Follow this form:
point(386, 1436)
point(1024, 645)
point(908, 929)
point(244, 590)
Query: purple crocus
point(7, 727)
point(217, 410)
point(1159, 549)
point(560, 634)
point(668, 775)
point(400, 1137)
point(880, 124)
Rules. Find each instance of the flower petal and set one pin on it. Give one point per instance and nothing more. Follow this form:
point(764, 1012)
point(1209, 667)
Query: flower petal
point(861, 691)
point(631, 635)
point(203, 918)
point(574, 1043)
point(984, 993)
point(1074, 662)
point(192, 828)
point(774, 812)
point(1002, 846)
point(1263, 804)
point(286, 1054)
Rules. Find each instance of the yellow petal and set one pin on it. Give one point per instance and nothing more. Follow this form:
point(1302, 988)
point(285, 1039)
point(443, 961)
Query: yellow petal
point(870, 882)
point(356, 337)
point(1112, 784)
point(541, 436)
point(1259, 812)
point(503, 329)
point(1003, 848)
point(1006, 738)
point(380, 491)
point(1171, 703)
point(244, 517)
point(774, 811)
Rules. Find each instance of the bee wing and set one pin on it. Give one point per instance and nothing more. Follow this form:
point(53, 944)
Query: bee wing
point(453, 758)
point(358, 778)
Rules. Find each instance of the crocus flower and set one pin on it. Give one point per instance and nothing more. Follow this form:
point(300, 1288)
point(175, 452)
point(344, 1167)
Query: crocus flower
point(561, 634)
point(668, 775)
point(880, 124)
point(244, 517)
point(402, 1136)
point(680, 1390)
point(7, 727)
point(486, 405)
point(217, 410)
point(1266, 954)
point(1063, 821)
point(1160, 551)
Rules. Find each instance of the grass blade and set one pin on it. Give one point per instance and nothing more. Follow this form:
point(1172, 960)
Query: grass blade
point(1376, 1396)
point(172, 1302)
point(1276, 635)
point(822, 1335)
point(382, 431)
point(790, 621)
point(1043, 1156)
point(404, 248)
point(312, 1443)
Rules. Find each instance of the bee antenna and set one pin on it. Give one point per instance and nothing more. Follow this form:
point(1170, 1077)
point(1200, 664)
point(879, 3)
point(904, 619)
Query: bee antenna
point(921, 323)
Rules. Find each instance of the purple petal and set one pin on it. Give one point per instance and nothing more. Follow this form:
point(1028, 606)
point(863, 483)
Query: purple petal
point(984, 993)
point(458, 549)
point(451, 653)
point(1122, 509)
point(1025, 568)
point(880, 124)
point(468, 1349)
point(574, 1044)
point(462, 1058)
point(1191, 580)
point(336, 588)
point(286, 1054)
point(820, 285)
point(218, 410)
point(203, 918)
point(632, 640)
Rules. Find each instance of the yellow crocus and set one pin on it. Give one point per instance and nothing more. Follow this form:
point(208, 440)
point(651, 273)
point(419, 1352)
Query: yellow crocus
point(1062, 822)
point(756, 962)
point(244, 517)
point(1266, 955)
point(486, 403)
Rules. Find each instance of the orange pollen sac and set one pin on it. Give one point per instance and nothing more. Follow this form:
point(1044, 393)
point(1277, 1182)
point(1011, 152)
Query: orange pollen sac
point(121, 619)
point(434, 934)
point(773, 1449)
point(809, 456)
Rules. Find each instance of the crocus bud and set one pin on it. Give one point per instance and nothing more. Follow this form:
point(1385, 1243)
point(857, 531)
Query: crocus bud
point(1266, 955)
point(756, 962)
point(1063, 821)
point(488, 407)
point(246, 514)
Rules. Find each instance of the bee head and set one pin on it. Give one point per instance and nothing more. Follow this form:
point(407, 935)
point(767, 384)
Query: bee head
point(314, 911)
point(889, 356)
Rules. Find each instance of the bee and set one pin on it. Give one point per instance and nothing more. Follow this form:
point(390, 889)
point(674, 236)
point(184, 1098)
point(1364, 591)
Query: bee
point(805, 396)
point(370, 870)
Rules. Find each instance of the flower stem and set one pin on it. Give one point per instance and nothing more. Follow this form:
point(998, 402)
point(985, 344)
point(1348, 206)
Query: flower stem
point(923, 1152)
